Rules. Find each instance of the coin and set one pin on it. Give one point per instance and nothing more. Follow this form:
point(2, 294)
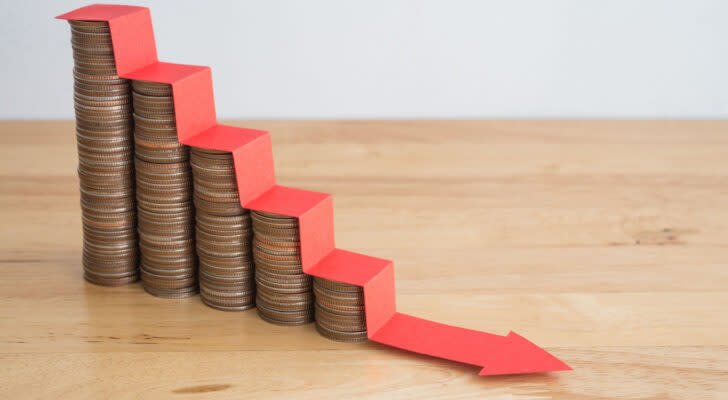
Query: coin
point(225, 283)
point(348, 337)
point(152, 88)
point(212, 304)
point(289, 318)
point(338, 321)
point(170, 293)
point(168, 283)
point(90, 26)
point(99, 280)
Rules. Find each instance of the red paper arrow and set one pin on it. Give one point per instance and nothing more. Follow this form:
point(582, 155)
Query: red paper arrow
point(136, 58)
point(511, 354)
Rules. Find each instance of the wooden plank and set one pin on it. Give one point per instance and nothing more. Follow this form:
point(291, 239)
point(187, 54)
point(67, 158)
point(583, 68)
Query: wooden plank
point(603, 241)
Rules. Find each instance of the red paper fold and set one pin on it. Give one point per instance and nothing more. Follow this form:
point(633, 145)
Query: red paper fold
point(136, 58)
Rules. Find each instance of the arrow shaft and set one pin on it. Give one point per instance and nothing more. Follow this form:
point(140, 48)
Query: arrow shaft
point(439, 340)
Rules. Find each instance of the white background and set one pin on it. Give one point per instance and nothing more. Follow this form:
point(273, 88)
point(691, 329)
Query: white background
point(406, 59)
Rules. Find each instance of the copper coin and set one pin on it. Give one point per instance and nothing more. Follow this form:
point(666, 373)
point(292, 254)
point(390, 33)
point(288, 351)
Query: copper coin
point(170, 294)
point(338, 298)
point(348, 337)
point(245, 277)
point(337, 286)
point(110, 282)
point(227, 308)
point(341, 321)
point(152, 123)
point(284, 318)
point(90, 26)
point(224, 223)
point(340, 309)
point(217, 208)
point(152, 88)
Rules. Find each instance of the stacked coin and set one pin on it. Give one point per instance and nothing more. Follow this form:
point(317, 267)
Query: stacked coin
point(106, 154)
point(164, 195)
point(284, 293)
point(224, 233)
point(340, 310)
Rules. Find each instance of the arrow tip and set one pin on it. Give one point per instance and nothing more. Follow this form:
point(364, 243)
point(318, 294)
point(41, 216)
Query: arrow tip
point(520, 356)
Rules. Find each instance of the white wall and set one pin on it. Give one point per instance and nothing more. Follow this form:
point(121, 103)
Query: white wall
point(406, 59)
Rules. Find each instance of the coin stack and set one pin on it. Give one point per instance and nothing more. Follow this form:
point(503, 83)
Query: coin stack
point(339, 310)
point(284, 293)
point(224, 233)
point(164, 195)
point(106, 154)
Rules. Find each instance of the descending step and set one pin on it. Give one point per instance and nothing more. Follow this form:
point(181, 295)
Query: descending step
point(136, 58)
point(253, 154)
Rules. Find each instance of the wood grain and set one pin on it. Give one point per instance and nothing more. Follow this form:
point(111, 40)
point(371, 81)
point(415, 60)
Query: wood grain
point(606, 242)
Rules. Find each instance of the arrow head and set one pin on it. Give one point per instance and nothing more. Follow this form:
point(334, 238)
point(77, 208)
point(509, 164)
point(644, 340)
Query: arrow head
point(517, 355)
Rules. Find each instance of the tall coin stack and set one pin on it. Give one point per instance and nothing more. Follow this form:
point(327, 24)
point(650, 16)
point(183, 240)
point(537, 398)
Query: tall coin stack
point(340, 310)
point(106, 154)
point(224, 233)
point(164, 195)
point(284, 293)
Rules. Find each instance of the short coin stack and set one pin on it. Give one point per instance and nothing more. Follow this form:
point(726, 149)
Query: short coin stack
point(224, 233)
point(164, 195)
point(340, 310)
point(284, 292)
point(106, 158)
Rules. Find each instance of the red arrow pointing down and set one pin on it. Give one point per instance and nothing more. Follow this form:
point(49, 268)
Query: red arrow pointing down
point(136, 58)
point(510, 354)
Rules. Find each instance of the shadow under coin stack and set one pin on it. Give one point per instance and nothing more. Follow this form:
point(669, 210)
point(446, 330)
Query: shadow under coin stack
point(224, 233)
point(284, 293)
point(164, 195)
point(340, 310)
point(106, 154)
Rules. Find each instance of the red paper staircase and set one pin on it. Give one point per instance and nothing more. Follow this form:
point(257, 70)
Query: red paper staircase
point(136, 58)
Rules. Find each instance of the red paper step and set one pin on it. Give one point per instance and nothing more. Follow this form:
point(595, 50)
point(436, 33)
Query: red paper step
point(131, 33)
point(252, 152)
point(375, 275)
point(194, 103)
point(315, 213)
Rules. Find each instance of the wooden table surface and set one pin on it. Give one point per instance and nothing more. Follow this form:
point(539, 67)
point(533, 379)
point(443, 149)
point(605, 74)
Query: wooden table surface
point(604, 242)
